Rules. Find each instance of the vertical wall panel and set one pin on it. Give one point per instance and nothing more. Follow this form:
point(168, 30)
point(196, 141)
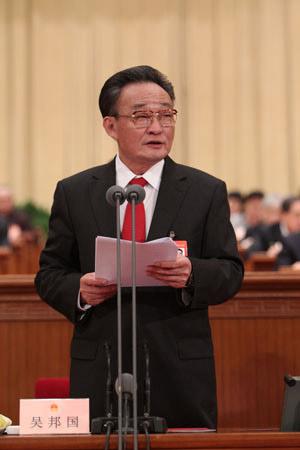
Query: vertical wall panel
point(273, 107)
point(4, 158)
point(293, 91)
point(225, 89)
point(200, 92)
point(48, 103)
point(15, 99)
point(247, 173)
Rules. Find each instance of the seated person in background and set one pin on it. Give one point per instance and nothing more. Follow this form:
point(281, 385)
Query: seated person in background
point(272, 238)
point(3, 232)
point(237, 220)
point(253, 213)
point(18, 222)
point(290, 255)
point(271, 209)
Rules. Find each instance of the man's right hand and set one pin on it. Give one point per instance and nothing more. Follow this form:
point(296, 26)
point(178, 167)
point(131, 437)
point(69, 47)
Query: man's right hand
point(94, 291)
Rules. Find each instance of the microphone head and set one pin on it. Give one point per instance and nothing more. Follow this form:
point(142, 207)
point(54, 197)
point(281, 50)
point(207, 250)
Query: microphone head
point(114, 193)
point(126, 385)
point(136, 192)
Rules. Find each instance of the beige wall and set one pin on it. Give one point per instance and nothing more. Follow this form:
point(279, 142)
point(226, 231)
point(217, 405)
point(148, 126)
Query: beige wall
point(235, 65)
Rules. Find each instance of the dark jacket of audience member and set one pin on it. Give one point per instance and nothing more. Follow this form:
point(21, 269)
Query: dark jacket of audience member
point(266, 236)
point(291, 250)
point(3, 232)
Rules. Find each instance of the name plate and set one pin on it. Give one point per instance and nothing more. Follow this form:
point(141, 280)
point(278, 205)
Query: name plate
point(54, 416)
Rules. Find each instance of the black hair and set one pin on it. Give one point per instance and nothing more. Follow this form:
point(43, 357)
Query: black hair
point(112, 87)
point(236, 195)
point(288, 202)
point(254, 195)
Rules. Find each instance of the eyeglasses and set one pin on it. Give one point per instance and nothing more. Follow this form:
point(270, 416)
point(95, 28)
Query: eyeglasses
point(143, 119)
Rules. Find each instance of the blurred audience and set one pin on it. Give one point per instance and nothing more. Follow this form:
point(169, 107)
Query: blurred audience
point(271, 209)
point(266, 223)
point(272, 237)
point(237, 219)
point(290, 255)
point(253, 211)
point(3, 232)
point(253, 217)
point(19, 227)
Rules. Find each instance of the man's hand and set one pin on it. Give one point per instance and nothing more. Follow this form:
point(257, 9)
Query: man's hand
point(296, 265)
point(94, 291)
point(173, 273)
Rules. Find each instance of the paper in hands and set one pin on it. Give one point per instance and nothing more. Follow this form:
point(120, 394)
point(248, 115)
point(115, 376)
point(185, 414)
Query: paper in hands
point(147, 253)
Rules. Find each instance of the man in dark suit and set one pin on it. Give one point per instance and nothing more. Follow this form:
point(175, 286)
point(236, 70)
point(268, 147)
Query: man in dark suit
point(268, 237)
point(137, 105)
point(3, 232)
point(290, 255)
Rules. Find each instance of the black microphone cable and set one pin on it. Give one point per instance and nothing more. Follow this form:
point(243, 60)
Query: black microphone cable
point(126, 421)
point(109, 426)
point(147, 435)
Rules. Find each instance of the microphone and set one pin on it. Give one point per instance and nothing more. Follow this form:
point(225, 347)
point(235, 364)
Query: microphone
point(136, 193)
point(125, 387)
point(115, 193)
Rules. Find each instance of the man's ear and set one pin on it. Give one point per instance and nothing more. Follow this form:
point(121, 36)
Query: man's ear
point(110, 126)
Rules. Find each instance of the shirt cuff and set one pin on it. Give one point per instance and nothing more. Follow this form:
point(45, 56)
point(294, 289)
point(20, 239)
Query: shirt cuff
point(80, 306)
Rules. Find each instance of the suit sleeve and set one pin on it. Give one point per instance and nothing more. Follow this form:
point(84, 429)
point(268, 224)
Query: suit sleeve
point(218, 273)
point(286, 256)
point(58, 279)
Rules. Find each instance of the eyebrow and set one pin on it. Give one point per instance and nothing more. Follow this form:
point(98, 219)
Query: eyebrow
point(142, 105)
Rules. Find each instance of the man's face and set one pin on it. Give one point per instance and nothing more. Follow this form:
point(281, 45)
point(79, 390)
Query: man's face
point(253, 211)
point(6, 202)
point(292, 217)
point(141, 148)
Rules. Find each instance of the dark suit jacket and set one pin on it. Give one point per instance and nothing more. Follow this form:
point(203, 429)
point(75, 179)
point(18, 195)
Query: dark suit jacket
point(264, 236)
point(291, 250)
point(194, 205)
point(3, 231)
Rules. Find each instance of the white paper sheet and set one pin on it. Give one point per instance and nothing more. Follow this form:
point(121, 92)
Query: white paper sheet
point(147, 253)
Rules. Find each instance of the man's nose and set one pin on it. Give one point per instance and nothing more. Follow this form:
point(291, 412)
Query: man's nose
point(155, 126)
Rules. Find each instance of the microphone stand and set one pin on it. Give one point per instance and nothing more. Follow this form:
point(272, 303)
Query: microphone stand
point(134, 356)
point(119, 308)
point(115, 196)
point(136, 194)
point(133, 197)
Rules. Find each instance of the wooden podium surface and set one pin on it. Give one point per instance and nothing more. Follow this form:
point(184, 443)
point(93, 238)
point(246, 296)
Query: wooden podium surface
point(192, 441)
point(256, 340)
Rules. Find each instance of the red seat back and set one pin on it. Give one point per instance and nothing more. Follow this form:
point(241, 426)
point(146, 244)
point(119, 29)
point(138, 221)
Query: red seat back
point(52, 388)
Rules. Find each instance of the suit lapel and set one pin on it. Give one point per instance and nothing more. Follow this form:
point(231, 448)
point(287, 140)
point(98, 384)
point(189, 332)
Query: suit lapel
point(173, 188)
point(104, 214)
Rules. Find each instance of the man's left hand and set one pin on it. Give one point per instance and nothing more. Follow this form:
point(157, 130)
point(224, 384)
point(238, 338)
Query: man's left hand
point(173, 273)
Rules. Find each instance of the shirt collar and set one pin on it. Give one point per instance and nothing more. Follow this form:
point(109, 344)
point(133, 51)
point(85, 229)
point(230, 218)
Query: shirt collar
point(152, 176)
point(284, 230)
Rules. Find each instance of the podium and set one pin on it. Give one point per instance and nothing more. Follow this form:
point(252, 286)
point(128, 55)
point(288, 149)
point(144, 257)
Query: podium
point(188, 441)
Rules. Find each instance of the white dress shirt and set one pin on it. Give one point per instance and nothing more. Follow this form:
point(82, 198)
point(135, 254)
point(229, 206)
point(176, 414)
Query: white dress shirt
point(153, 178)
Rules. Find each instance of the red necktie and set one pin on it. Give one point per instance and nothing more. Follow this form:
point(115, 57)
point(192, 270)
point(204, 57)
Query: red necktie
point(140, 217)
